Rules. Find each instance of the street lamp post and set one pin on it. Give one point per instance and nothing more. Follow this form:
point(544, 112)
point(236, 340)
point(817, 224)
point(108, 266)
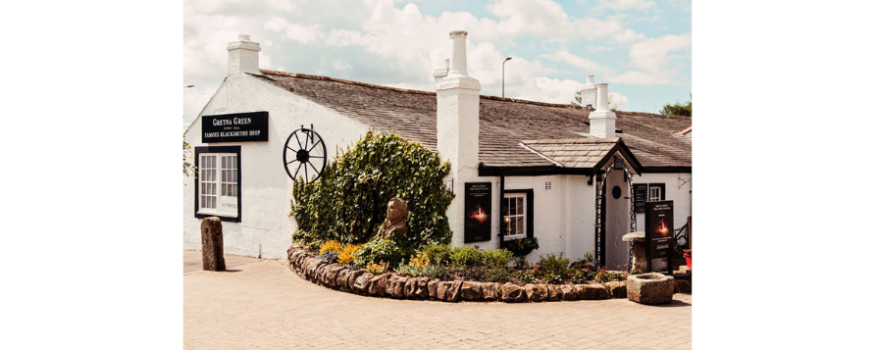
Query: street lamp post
point(502, 74)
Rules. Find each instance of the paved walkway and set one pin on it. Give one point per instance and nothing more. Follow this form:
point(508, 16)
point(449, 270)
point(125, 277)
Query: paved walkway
point(260, 304)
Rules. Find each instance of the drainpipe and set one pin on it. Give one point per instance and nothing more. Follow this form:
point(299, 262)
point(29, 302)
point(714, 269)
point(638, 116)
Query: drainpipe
point(500, 204)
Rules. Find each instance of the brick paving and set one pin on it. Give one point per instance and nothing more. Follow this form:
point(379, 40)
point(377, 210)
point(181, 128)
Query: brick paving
point(260, 304)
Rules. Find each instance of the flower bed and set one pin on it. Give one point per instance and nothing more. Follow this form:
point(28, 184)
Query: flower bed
point(389, 284)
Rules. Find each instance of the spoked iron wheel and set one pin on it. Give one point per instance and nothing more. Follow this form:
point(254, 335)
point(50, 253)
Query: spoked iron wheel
point(304, 154)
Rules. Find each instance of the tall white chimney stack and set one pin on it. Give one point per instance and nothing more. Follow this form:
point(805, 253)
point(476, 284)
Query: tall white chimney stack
point(588, 92)
point(458, 129)
point(459, 62)
point(243, 56)
point(602, 121)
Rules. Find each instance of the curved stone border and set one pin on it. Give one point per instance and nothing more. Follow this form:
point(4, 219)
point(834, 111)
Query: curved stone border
point(390, 285)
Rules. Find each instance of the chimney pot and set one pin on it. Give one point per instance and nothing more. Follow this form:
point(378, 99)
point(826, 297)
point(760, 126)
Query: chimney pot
point(590, 79)
point(459, 60)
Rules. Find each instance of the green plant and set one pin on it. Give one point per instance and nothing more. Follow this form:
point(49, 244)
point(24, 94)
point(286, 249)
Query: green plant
point(635, 271)
point(438, 271)
point(589, 257)
point(522, 276)
point(462, 257)
point(522, 246)
point(496, 258)
point(579, 276)
point(437, 253)
point(497, 274)
point(390, 250)
point(678, 108)
point(474, 273)
point(553, 265)
point(348, 202)
point(187, 154)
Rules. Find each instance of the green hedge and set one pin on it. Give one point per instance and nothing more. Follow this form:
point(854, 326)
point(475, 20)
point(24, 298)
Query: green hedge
point(348, 202)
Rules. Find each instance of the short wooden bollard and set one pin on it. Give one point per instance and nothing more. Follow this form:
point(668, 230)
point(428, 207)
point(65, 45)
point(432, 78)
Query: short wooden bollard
point(211, 244)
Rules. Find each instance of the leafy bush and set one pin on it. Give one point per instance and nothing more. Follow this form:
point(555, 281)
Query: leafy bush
point(553, 266)
point(438, 271)
point(330, 246)
point(497, 274)
point(330, 257)
point(391, 250)
point(496, 258)
point(376, 269)
point(523, 276)
point(580, 276)
point(348, 202)
point(522, 246)
point(437, 253)
point(462, 257)
point(475, 273)
point(348, 254)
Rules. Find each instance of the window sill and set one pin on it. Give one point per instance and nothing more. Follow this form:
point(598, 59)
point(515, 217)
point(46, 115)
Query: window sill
point(510, 238)
point(203, 215)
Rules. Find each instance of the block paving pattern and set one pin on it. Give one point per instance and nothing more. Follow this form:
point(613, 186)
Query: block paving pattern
point(260, 304)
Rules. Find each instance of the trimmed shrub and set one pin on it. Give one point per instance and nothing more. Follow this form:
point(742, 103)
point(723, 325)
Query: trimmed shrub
point(496, 258)
point(463, 257)
point(348, 202)
point(437, 253)
point(552, 266)
point(390, 251)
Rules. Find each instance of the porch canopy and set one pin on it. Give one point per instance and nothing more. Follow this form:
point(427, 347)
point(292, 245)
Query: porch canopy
point(584, 156)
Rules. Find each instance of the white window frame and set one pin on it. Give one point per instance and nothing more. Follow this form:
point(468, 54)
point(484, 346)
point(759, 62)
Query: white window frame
point(512, 213)
point(217, 189)
point(650, 197)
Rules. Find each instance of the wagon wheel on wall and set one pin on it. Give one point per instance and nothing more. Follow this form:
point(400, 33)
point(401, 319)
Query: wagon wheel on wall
point(304, 154)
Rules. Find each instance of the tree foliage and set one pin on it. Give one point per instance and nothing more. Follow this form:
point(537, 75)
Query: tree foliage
point(348, 203)
point(678, 108)
point(614, 106)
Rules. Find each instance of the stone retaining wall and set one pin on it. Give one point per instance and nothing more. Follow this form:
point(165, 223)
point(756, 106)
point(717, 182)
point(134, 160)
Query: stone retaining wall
point(390, 285)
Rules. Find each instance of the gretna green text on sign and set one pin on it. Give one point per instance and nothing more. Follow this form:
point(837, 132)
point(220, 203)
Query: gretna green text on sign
point(239, 127)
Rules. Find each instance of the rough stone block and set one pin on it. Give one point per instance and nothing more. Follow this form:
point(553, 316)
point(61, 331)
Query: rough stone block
point(212, 244)
point(379, 285)
point(351, 277)
point(592, 292)
point(512, 293)
point(617, 289)
point(398, 287)
point(432, 288)
point(536, 292)
point(569, 292)
point(489, 291)
point(410, 288)
point(361, 283)
point(470, 290)
point(341, 281)
point(442, 289)
point(650, 288)
point(455, 291)
point(421, 291)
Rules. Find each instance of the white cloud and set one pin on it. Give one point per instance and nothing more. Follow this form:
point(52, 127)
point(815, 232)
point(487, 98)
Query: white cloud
point(588, 66)
point(625, 5)
point(628, 36)
point(339, 65)
point(599, 48)
point(651, 58)
point(303, 34)
point(618, 101)
point(281, 5)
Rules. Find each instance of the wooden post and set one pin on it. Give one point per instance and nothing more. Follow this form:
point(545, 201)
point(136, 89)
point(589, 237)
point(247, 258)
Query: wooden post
point(212, 245)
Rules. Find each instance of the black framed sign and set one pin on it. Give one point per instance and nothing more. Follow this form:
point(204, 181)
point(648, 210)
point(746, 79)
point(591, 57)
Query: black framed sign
point(659, 232)
point(478, 211)
point(237, 127)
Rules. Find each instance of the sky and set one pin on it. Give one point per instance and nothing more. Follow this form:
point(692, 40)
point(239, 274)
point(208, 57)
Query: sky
point(641, 48)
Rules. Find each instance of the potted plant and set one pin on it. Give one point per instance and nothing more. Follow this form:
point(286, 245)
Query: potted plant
point(688, 254)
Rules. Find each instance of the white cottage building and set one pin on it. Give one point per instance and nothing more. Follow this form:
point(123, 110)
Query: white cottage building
point(564, 174)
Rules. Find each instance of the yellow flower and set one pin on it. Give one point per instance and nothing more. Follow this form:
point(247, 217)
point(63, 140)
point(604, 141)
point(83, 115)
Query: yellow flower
point(330, 246)
point(347, 254)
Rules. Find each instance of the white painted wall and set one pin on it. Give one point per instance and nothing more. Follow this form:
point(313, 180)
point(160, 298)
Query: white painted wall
point(677, 189)
point(265, 188)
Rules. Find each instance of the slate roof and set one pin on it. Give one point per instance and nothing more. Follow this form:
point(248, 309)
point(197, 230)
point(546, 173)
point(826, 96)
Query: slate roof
point(504, 122)
point(581, 153)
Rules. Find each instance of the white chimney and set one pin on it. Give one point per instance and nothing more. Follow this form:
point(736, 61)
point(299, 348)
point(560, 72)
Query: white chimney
point(588, 92)
point(243, 56)
point(458, 129)
point(602, 121)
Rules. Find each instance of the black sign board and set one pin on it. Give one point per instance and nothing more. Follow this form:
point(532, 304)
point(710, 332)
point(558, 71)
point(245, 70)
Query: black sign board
point(659, 232)
point(238, 127)
point(478, 211)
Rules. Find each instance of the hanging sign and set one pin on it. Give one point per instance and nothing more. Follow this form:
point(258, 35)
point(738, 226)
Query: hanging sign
point(238, 127)
point(659, 234)
point(478, 211)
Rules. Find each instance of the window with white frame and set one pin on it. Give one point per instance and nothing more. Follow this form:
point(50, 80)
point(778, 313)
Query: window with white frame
point(515, 220)
point(655, 194)
point(218, 182)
